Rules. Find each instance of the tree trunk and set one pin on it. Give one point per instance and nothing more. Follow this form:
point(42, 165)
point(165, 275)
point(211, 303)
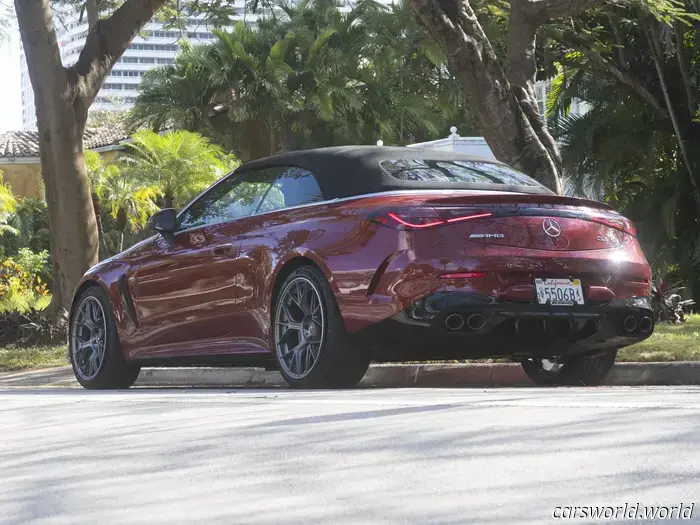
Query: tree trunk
point(498, 108)
point(656, 54)
point(502, 102)
point(98, 220)
point(72, 225)
point(168, 198)
point(121, 241)
point(683, 65)
point(63, 96)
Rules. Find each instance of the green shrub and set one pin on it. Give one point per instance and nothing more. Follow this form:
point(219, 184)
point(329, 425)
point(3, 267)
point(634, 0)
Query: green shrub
point(31, 221)
point(19, 290)
point(37, 265)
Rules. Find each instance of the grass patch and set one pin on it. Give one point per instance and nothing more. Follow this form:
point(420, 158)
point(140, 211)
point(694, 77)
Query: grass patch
point(14, 358)
point(669, 342)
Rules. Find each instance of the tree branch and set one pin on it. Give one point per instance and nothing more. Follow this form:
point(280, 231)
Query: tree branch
point(93, 13)
point(656, 54)
point(541, 11)
point(39, 41)
point(108, 40)
point(619, 42)
point(626, 77)
point(683, 66)
point(499, 110)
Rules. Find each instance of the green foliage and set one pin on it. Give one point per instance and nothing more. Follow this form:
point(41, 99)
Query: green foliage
point(107, 118)
point(36, 265)
point(31, 224)
point(176, 165)
point(669, 342)
point(8, 204)
point(119, 193)
point(19, 290)
point(624, 149)
point(15, 358)
point(157, 170)
point(309, 76)
point(98, 170)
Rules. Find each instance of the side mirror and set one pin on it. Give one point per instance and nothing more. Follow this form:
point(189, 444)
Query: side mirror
point(164, 221)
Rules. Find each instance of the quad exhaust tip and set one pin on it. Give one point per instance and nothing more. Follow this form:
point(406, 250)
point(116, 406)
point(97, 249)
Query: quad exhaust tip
point(645, 325)
point(476, 321)
point(454, 322)
point(630, 324)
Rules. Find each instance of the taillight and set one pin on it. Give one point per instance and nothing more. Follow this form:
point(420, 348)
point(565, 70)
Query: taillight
point(617, 223)
point(462, 275)
point(421, 218)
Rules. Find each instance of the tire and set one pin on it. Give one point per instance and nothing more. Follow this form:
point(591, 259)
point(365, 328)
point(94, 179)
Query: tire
point(573, 371)
point(112, 371)
point(329, 361)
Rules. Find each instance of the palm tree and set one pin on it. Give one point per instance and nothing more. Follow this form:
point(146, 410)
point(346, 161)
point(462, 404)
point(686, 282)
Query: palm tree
point(179, 95)
point(98, 172)
point(178, 164)
point(8, 204)
point(309, 76)
point(130, 202)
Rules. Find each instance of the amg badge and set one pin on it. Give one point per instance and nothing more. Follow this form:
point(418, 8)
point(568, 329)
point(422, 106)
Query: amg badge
point(486, 236)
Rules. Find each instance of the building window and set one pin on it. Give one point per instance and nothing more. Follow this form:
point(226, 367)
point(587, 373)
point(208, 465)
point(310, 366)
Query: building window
point(130, 60)
point(541, 91)
point(147, 60)
point(166, 34)
point(153, 47)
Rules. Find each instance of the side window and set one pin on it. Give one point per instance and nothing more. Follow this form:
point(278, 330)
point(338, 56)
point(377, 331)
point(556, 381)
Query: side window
point(233, 198)
point(294, 187)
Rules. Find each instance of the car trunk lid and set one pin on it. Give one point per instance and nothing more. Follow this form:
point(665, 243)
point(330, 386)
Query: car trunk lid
point(540, 222)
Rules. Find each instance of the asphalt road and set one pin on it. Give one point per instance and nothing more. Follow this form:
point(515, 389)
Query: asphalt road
point(280, 457)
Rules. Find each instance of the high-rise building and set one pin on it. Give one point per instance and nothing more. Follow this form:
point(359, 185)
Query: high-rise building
point(155, 46)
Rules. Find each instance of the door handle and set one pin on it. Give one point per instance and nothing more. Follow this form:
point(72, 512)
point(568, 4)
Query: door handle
point(223, 248)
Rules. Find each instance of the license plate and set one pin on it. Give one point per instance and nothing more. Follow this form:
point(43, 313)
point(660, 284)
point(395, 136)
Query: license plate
point(559, 292)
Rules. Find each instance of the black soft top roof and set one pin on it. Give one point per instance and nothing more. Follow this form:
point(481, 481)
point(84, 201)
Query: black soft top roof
point(346, 171)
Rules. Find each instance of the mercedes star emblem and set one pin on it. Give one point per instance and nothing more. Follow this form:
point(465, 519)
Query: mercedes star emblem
point(551, 227)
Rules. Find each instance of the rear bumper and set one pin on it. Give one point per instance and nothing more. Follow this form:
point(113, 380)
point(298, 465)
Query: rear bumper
point(457, 325)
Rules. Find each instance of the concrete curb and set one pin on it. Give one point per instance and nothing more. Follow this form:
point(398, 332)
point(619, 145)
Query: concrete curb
point(670, 373)
point(210, 377)
point(381, 376)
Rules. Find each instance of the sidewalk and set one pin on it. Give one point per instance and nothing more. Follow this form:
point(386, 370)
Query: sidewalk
point(385, 375)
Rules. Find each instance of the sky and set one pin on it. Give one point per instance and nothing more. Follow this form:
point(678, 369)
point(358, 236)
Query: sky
point(10, 97)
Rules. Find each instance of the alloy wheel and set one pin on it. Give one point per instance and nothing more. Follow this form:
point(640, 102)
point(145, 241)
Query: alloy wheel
point(299, 327)
point(89, 338)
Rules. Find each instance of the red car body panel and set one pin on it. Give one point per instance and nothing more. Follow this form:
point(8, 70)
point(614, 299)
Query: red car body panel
point(209, 291)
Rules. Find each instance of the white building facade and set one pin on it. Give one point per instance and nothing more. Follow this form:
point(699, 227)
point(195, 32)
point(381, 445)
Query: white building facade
point(155, 46)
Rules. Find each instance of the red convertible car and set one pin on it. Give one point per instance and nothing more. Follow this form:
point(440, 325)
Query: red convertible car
point(317, 262)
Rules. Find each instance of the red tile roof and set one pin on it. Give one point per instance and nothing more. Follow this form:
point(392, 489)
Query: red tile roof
point(26, 143)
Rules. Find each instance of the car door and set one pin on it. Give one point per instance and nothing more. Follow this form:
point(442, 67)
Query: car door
point(268, 235)
point(187, 290)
